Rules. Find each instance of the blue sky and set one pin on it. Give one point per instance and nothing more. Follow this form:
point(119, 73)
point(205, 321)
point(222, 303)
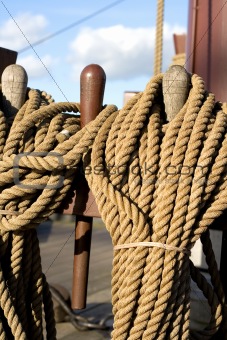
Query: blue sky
point(120, 39)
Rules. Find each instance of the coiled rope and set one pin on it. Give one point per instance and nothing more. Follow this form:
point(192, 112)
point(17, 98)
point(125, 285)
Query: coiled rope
point(153, 211)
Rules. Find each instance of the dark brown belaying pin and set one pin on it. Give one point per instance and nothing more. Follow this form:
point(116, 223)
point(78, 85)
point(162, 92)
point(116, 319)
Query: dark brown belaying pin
point(92, 85)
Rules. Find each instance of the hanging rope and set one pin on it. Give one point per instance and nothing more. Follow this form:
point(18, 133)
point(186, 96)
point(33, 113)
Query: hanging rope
point(159, 38)
point(153, 210)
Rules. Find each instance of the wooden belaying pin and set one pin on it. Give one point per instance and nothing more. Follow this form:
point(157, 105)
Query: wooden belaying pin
point(92, 85)
point(175, 88)
point(14, 88)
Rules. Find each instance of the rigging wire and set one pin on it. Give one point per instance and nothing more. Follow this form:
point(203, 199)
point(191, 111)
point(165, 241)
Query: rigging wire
point(76, 23)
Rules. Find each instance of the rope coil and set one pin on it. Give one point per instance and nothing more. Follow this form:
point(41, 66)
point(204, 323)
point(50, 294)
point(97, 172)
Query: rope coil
point(144, 203)
point(151, 287)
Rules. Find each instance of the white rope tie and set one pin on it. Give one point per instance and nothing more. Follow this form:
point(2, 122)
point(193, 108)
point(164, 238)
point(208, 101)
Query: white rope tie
point(152, 244)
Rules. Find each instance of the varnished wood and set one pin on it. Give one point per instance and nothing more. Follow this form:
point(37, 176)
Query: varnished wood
point(179, 43)
point(92, 82)
point(77, 203)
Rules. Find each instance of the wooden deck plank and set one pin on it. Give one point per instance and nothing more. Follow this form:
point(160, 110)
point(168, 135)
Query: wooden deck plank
point(57, 245)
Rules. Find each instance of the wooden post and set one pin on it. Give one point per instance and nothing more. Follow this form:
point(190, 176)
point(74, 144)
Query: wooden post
point(14, 88)
point(175, 90)
point(179, 43)
point(92, 82)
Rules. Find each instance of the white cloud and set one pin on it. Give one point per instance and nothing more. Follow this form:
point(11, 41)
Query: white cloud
point(15, 34)
point(37, 67)
point(123, 52)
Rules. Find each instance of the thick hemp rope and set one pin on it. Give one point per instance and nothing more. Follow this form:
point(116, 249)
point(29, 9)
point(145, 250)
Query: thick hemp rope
point(159, 37)
point(144, 195)
point(153, 210)
point(35, 177)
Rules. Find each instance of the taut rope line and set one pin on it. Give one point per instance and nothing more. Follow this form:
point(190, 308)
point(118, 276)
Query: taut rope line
point(144, 202)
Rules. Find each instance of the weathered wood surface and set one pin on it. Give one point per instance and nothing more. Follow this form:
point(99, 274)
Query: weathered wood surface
point(56, 244)
point(175, 90)
point(14, 88)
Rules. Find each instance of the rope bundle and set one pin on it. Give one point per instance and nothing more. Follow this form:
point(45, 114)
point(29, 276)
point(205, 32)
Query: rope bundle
point(23, 205)
point(153, 210)
point(161, 187)
point(37, 165)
